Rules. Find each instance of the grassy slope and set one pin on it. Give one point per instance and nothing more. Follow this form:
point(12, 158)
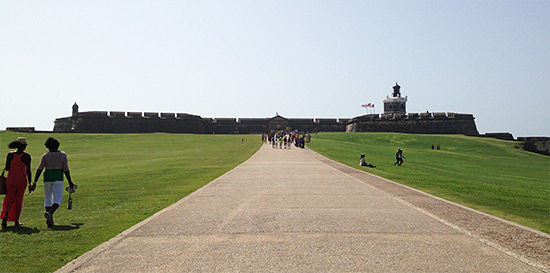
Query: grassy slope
point(486, 174)
point(122, 180)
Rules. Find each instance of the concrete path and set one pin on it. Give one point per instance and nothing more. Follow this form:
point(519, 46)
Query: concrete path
point(295, 211)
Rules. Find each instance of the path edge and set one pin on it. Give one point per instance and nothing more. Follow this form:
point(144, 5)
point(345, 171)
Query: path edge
point(505, 248)
point(80, 260)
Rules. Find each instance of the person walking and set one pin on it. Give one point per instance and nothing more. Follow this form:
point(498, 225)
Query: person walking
point(56, 164)
point(18, 165)
point(399, 157)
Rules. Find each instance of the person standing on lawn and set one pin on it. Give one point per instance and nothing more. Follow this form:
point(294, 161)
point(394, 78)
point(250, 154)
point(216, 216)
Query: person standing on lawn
point(56, 164)
point(399, 157)
point(18, 165)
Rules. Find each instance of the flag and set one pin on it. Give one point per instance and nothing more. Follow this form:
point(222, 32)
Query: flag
point(368, 105)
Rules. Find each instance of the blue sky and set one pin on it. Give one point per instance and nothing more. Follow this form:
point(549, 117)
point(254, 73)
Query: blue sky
point(247, 59)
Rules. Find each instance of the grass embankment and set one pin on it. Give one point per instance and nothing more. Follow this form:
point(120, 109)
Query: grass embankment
point(489, 175)
point(122, 179)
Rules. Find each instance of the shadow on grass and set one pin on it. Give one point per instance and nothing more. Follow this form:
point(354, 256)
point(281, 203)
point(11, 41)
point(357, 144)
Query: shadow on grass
point(20, 230)
point(67, 227)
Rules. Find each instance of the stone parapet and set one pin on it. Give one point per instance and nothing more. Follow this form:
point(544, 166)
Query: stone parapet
point(440, 115)
point(151, 115)
point(139, 122)
point(413, 116)
point(421, 123)
point(117, 114)
point(21, 129)
point(325, 121)
point(93, 114)
point(503, 136)
point(425, 115)
point(168, 115)
point(539, 145)
point(135, 114)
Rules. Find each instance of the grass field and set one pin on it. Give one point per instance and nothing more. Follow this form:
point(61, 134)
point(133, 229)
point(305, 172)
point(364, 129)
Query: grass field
point(490, 175)
point(125, 178)
point(122, 180)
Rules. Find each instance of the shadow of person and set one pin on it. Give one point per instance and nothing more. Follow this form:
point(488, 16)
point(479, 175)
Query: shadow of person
point(21, 230)
point(67, 227)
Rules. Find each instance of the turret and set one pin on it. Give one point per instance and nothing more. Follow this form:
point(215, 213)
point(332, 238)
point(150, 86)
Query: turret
point(395, 104)
point(75, 110)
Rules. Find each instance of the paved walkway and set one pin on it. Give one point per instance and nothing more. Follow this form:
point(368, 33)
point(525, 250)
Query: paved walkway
point(293, 210)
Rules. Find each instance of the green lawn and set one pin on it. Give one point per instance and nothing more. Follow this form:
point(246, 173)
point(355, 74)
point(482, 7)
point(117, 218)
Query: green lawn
point(122, 179)
point(125, 178)
point(490, 175)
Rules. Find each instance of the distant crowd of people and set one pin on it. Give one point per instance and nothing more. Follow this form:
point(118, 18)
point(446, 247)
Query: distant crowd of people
point(284, 139)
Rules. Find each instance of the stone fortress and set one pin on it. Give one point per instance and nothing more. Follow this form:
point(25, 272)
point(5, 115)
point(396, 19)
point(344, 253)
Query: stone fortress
point(394, 119)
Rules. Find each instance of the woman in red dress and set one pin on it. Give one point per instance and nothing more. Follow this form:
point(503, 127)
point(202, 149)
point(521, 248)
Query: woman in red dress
point(18, 165)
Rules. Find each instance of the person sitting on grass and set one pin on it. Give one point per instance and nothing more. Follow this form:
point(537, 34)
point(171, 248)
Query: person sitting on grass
point(56, 165)
point(362, 162)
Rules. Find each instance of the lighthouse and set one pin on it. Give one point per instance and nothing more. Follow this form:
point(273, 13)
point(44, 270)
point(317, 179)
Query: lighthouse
point(395, 104)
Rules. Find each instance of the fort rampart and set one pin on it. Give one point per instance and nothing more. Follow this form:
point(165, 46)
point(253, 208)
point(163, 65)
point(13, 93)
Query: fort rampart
point(148, 122)
point(415, 123)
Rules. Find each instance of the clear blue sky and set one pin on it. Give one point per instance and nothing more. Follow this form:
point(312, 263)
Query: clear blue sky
point(251, 59)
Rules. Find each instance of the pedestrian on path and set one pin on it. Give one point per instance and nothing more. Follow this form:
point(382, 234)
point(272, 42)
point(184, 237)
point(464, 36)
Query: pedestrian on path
point(18, 165)
point(363, 163)
point(56, 164)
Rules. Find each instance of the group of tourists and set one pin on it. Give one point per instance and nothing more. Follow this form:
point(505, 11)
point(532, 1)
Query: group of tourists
point(284, 139)
point(398, 160)
point(18, 166)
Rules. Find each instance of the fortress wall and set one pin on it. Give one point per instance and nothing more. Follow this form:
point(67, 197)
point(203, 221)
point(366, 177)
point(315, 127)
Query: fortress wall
point(95, 114)
point(343, 121)
point(413, 116)
point(252, 120)
point(539, 145)
point(366, 117)
point(252, 125)
point(117, 114)
point(437, 124)
point(132, 114)
point(138, 122)
point(168, 115)
point(224, 120)
point(62, 125)
point(133, 122)
point(425, 115)
point(151, 115)
point(221, 128)
point(185, 115)
point(326, 121)
point(398, 116)
point(439, 115)
point(303, 125)
point(458, 116)
point(219, 125)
